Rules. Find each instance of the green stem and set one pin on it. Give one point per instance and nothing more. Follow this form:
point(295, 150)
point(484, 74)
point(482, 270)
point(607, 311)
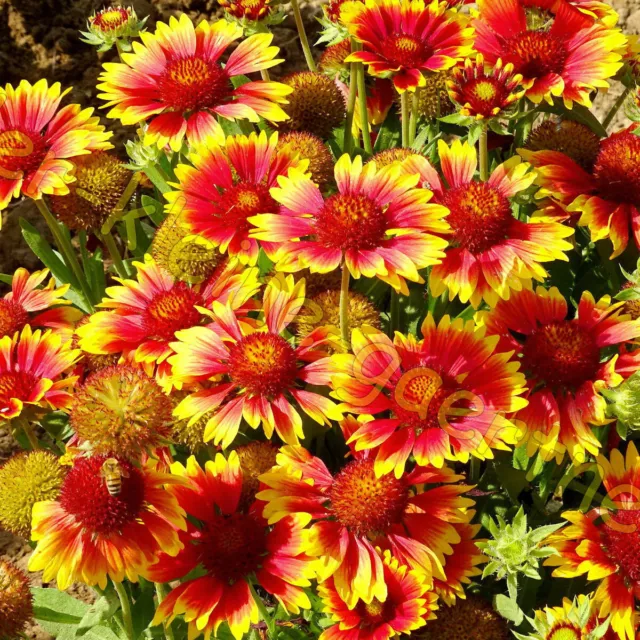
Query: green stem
point(608, 119)
point(483, 153)
point(413, 120)
point(162, 592)
point(404, 114)
point(264, 614)
point(264, 73)
point(344, 306)
point(126, 609)
point(394, 313)
point(306, 49)
point(158, 178)
point(110, 243)
point(351, 103)
point(364, 115)
point(64, 244)
point(474, 470)
point(23, 423)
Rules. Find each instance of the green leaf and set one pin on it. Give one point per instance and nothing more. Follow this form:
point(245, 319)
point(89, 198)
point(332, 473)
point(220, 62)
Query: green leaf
point(474, 132)
point(142, 612)
point(457, 118)
point(56, 424)
point(508, 609)
point(389, 134)
point(101, 611)
point(49, 257)
point(153, 208)
point(51, 605)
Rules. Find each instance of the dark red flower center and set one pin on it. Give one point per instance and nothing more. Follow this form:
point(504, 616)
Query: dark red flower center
point(85, 496)
point(21, 153)
point(620, 536)
point(264, 364)
point(242, 201)
point(232, 546)
point(15, 384)
point(534, 54)
point(13, 317)
point(248, 9)
point(617, 168)
point(191, 84)
point(480, 216)
point(375, 613)
point(110, 19)
point(483, 95)
point(562, 354)
point(404, 50)
point(349, 221)
point(366, 504)
point(171, 311)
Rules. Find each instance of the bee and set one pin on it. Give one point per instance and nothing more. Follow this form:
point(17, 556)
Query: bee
point(113, 473)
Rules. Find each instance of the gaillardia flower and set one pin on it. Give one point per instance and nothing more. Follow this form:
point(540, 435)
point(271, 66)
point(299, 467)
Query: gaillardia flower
point(37, 140)
point(225, 186)
point(100, 182)
point(175, 80)
point(472, 619)
point(353, 511)
point(27, 478)
point(32, 365)
point(234, 545)
point(16, 601)
point(253, 372)
point(90, 533)
point(144, 314)
point(315, 105)
point(484, 93)
point(607, 195)
point(378, 222)
point(564, 54)
point(44, 307)
point(445, 397)
point(491, 252)
point(248, 10)
point(121, 410)
point(602, 544)
point(407, 607)
point(110, 25)
point(566, 361)
point(408, 39)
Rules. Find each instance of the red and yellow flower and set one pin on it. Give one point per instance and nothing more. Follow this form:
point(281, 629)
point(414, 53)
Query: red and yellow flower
point(144, 314)
point(566, 364)
point(491, 253)
point(38, 140)
point(378, 222)
point(559, 50)
point(602, 544)
point(407, 607)
point(175, 80)
point(87, 534)
point(482, 92)
point(445, 397)
point(224, 186)
point(235, 546)
point(44, 307)
point(249, 370)
point(354, 511)
point(606, 196)
point(32, 368)
point(408, 39)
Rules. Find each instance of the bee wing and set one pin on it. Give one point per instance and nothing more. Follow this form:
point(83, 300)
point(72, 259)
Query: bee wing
point(124, 473)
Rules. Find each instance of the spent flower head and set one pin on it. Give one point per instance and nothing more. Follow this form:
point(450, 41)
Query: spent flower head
point(515, 550)
point(16, 601)
point(111, 25)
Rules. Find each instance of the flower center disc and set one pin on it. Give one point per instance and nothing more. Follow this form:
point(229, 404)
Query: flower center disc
point(232, 546)
point(350, 222)
point(264, 364)
point(480, 216)
point(374, 613)
point(404, 50)
point(21, 153)
point(13, 317)
point(243, 201)
point(617, 168)
point(535, 54)
point(366, 504)
point(111, 19)
point(15, 384)
point(189, 84)
point(562, 354)
point(171, 311)
point(620, 535)
point(84, 495)
point(484, 95)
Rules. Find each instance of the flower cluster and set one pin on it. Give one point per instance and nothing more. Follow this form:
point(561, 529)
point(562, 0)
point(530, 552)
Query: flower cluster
point(343, 354)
